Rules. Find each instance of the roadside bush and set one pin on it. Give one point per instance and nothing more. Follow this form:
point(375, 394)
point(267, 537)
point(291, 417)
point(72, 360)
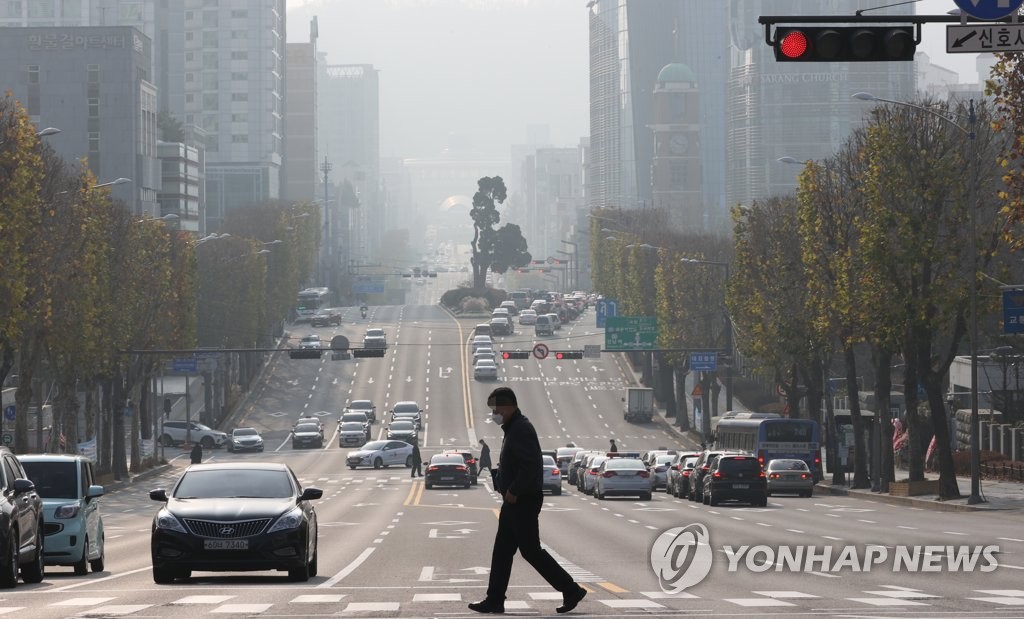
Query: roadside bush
point(962, 460)
point(473, 304)
point(452, 299)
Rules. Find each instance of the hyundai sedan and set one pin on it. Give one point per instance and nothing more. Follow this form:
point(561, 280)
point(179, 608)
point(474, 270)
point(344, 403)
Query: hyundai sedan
point(235, 517)
point(351, 434)
point(381, 454)
point(402, 430)
point(485, 369)
point(307, 435)
point(245, 439)
point(789, 476)
point(447, 469)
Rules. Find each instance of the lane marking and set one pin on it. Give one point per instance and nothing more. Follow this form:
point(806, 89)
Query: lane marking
point(348, 569)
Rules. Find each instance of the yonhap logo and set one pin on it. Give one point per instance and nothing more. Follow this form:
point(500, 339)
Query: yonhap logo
point(681, 557)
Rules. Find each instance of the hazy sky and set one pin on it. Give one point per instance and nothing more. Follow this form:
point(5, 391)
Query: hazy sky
point(482, 68)
point(485, 69)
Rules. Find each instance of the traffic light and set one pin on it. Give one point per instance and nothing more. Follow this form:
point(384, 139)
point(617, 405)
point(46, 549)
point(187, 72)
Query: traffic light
point(368, 352)
point(515, 354)
point(845, 44)
point(305, 353)
point(568, 354)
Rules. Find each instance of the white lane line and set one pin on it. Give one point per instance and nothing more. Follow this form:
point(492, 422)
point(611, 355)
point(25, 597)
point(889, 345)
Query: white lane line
point(105, 578)
point(348, 569)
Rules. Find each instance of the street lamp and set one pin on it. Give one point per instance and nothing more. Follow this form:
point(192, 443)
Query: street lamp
point(728, 329)
point(972, 292)
point(116, 181)
point(167, 217)
point(574, 262)
point(274, 242)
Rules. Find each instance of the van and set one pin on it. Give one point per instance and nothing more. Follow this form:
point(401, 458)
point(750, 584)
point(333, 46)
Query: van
point(544, 326)
point(71, 510)
point(482, 329)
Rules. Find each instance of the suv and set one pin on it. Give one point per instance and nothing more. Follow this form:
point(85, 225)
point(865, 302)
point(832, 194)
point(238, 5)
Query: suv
point(175, 434)
point(701, 468)
point(72, 524)
point(470, 460)
point(544, 326)
point(363, 406)
point(22, 530)
point(735, 478)
point(377, 335)
point(326, 317)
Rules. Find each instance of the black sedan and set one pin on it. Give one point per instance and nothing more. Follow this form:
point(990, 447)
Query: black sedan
point(447, 470)
point(403, 431)
point(307, 435)
point(235, 517)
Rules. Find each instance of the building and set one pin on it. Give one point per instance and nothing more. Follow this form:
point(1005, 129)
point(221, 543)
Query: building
point(349, 126)
point(93, 84)
point(553, 192)
point(232, 76)
point(182, 181)
point(794, 109)
point(677, 178)
point(300, 149)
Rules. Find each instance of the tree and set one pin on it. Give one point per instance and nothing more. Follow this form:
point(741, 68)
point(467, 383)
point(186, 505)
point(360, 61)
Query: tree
point(494, 250)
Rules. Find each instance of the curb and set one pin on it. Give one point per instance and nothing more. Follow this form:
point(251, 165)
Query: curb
point(133, 479)
point(931, 504)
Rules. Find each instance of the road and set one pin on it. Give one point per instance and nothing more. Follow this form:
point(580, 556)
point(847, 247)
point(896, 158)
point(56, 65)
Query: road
point(389, 548)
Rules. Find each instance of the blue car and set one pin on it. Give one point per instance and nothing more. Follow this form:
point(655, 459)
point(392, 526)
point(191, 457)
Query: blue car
point(72, 524)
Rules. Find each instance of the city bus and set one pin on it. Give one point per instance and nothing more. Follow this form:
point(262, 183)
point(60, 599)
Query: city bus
point(772, 439)
point(310, 300)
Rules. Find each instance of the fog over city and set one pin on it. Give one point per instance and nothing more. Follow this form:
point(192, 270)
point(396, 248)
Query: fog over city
point(465, 73)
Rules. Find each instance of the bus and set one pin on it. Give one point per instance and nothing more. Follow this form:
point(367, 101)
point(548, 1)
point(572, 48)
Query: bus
point(310, 300)
point(772, 439)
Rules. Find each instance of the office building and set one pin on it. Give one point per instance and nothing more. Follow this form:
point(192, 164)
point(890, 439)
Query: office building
point(300, 169)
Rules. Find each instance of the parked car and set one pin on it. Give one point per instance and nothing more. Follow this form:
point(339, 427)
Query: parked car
point(326, 317)
point(245, 439)
point(659, 470)
point(235, 517)
point(622, 477)
point(21, 524)
point(552, 476)
point(590, 473)
point(735, 478)
point(700, 469)
point(72, 523)
point(307, 435)
point(363, 406)
point(381, 454)
point(175, 433)
point(446, 470)
point(351, 434)
point(679, 471)
point(789, 476)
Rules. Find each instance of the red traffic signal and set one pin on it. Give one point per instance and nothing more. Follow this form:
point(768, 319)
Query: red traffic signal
point(568, 354)
point(846, 44)
point(515, 354)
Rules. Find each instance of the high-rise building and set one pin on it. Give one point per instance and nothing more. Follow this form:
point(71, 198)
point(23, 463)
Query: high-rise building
point(93, 84)
point(300, 162)
point(677, 179)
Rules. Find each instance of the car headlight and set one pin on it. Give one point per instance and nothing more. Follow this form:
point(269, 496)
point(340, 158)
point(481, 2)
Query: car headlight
point(167, 520)
point(291, 520)
point(67, 511)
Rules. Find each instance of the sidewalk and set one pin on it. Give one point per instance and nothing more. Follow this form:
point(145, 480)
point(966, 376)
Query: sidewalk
point(1007, 496)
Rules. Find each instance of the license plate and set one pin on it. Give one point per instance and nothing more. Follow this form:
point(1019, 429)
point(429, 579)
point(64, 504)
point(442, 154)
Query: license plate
point(740, 486)
point(226, 544)
point(447, 478)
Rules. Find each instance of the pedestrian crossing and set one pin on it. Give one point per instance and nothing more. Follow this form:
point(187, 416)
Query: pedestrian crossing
point(599, 602)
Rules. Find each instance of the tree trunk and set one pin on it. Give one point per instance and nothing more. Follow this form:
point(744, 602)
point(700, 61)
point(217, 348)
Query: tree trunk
point(716, 390)
point(23, 394)
point(815, 380)
point(104, 440)
point(915, 455)
point(860, 469)
point(90, 413)
point(119, 455)
point(683, 409)
point(883, 389)
point(664, 386)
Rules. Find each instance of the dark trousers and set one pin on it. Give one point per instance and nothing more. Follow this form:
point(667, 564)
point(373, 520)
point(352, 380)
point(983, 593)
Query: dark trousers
point(417, 470)
point(519, 529)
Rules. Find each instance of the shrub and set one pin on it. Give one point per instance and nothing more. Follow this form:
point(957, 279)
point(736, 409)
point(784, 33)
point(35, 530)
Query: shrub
point(962, 460)
point(473, 304)
point(452, 299)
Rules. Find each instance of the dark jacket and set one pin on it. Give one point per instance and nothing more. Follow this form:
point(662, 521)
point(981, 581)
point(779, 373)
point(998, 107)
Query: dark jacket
point(520, 465)
point(416, 457)
point(197, 453)
point(485, 457)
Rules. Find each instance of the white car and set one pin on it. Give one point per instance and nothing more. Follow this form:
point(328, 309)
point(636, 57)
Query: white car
point(310, 342)
point(528, 317)
point(381, 454)
point(482, 341)
point(484, 353)
point(484, 369)
point(556, 324)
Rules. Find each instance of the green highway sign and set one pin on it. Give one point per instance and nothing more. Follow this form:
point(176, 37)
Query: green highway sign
point(630, 333)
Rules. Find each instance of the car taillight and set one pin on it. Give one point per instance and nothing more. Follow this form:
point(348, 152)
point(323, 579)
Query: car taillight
point(555, 472)
point(471, 461)
point(644, 474)
point(817, 460)
point(432, 468)
point(774, 476)
point(804, 476)
point(686, 473)
point(609, 474)
point(760, 474)
point(592, 471)
point(461, 468)
point(705, 468)
point(718, 475)
point(760, 457)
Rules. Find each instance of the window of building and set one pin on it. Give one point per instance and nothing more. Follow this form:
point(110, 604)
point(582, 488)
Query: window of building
point(189, 35)
point(210, 60)
point(94, 142)
point(211, 101)
point(240, 14)
point(33, 74)
point(40, 8)
point(239, 96)
point(239, 55)
point(210, 81)
point(190, 56)
point(93, 71)
point(239, 34)
point(94, 107)
point(210, 38)
point(678, 176)
point(190, 118)
point(190, 15)
point(210, 19)
point(71, 8)
point(189, 77)
point(240, 138)
point(213, 143)
point(190, 98)
point(239, 118)
point(239, 76)
point(13, 8)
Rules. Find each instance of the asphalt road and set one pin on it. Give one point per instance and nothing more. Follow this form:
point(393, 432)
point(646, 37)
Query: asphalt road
point(390, 548)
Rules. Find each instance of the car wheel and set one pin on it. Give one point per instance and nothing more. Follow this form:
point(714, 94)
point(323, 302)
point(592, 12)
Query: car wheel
point(704, 499)
point(427, 486)
point(82, 566)
point(9, 577)
point(468, 484)
point(33, 572)
point(97, 563)
point(163, 575)
point(299, 574)
point(557, 492)
point(313, 564)
point(352, 466)
point(646, 497)
point(206, 442)
point(810, 493)
point(167, 441)
point(712, 501)
point(378, 463)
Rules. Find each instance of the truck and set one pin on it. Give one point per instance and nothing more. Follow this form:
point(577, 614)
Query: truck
point(639, 404)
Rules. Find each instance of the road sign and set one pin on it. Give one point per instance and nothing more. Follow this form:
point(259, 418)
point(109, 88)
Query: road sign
point(988, 9)
point(541, 351)
point(703, 361)
point(9, 412)
point(981, 38)
point(591, 351)
point(1013, 310)
point(630, 333)
point(606, 308)
point(698, 391)
point(185, 364)
point(368, 284)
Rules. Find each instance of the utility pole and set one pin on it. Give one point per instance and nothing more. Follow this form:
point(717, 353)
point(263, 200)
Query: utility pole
point(328, 235)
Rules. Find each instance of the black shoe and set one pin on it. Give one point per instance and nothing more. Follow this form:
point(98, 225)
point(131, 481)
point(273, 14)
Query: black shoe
point(488, 607)
point(571, 599)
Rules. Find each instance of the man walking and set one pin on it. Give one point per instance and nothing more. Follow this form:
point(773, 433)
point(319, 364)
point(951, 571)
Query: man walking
point(417, 461)
point(612, 447)
point(521, 483)
point(485, 458)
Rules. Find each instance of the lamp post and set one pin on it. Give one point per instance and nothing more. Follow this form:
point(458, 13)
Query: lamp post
point(728, 328)
point(972, 292)
point(574, 265)
point(165, 218)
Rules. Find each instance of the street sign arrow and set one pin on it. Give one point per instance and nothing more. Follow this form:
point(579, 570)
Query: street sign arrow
point(477, 570)
point(967, 37)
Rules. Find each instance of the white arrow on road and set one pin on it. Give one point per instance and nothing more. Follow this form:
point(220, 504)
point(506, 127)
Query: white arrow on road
point(595, 368)
point(444, 372)
point(477, 570)
point(408, 379)
point(464, 531)
point(370, 380)
point(433, 534)
point(364, 504)
point(427, 575)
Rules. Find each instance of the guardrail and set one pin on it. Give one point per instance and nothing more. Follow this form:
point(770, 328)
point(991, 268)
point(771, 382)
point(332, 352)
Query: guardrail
point(1004, 470)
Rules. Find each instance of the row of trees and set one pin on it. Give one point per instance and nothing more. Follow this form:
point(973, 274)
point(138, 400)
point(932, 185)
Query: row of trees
point(85, 281)
point(874, 257)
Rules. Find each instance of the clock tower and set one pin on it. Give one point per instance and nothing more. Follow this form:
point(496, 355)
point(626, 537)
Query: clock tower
point(676, 173)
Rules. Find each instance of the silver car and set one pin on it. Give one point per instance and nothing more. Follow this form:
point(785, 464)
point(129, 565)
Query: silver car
point(485, 369)
point(590, 474)
point(659, 470)
point(552, 476)
point(789, 476)
point(351, 434)
point(381, 454)
point(622, 476)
